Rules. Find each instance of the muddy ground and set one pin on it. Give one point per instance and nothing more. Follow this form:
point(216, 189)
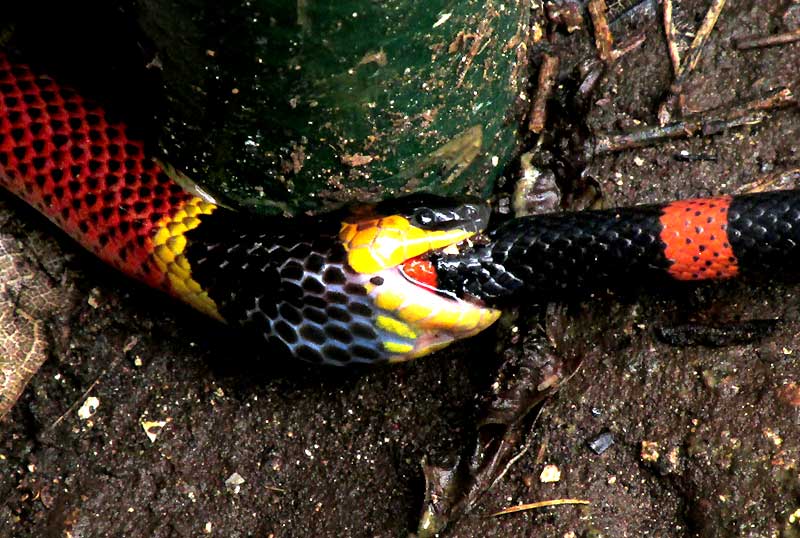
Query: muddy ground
point(706, 439)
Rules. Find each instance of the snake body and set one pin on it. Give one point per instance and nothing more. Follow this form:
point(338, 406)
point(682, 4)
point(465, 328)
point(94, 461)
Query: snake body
point(330, 290)
point(372, 284)
point(547, 256)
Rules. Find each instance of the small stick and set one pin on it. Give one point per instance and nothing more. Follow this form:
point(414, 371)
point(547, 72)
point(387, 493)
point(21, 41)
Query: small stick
point(611, 143)
point(85, 394)
point(629, 45)
point(669, 33)
point(757, 42)
point(690, 62)
point(641, 11)
point(547, 78)
point(79, 401)
point(777, 99)
point(540, 504)
point(787, 179)
point(596, 69)
point(696, 48)
point(603, 39)
point(750, 113)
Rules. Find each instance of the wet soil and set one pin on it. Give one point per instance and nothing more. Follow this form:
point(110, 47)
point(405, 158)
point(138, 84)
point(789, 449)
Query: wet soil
point(706, 440)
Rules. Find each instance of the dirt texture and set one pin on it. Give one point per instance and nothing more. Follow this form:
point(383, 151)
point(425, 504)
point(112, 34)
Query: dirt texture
point(706, 439)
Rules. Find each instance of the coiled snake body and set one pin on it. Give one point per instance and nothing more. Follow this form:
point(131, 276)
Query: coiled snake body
point(374, 284)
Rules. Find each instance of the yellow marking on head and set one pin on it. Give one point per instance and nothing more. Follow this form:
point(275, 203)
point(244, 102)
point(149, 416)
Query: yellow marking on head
point(388, 300)
point(394, 221)
point(435, 320)
point(414, 313)
point(376, 244)
point(363, 260)
point(469, 320)
point(347, 232)
point(169, 242)
point(395, 326)
point(421, 352)
point(444, 319)
point(397, 347)
point(365, 238)
point(485, 318)
point(488, 316)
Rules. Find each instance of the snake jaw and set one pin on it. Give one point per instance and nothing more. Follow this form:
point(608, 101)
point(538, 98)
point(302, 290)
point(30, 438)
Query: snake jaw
point(414, 318)
point(377, 242)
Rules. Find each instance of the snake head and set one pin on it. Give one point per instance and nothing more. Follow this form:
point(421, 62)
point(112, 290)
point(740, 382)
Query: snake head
point(386, 247)
point(346, 288)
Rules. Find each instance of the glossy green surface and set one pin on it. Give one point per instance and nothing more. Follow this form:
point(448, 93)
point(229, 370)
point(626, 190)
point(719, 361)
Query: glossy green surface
point(286, 106)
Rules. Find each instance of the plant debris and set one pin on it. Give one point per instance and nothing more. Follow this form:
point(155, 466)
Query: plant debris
point(533, 369)
point(539, 504)
point(760, 42)
point(720, 335)
point(667, 108)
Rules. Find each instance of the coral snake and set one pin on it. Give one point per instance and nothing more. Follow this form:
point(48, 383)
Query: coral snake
point(379, 283)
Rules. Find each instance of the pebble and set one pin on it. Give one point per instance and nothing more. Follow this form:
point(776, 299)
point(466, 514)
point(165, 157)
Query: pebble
point(601, 443)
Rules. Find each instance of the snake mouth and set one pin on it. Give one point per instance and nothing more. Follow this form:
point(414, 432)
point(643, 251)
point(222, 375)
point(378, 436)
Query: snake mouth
point(375, 243)
point(385, 248)
point(414, 317)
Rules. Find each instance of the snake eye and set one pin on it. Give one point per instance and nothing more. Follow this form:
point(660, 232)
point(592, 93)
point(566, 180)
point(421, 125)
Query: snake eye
point(424, 217)
point(440, 218)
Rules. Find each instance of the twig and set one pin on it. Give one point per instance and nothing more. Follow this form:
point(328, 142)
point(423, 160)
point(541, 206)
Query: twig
point(540, 504)
point(547, 78)
point(669, 33)
point(756, 42)
point(690, 62)
point(779, 98)
point(787, 179)
point(641, 11)
point(85, 394)
point(603, 39)
point(696, 48)
point(629, 45)
point(750, 113)
point(605, 143)
point(597, 69)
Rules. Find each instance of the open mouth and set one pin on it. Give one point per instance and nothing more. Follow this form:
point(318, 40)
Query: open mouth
point(416, 317)
point(435, 319)
point(420, 270)
point(392, 257)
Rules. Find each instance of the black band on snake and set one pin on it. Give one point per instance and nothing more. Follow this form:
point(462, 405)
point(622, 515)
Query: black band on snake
point(543, 257)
